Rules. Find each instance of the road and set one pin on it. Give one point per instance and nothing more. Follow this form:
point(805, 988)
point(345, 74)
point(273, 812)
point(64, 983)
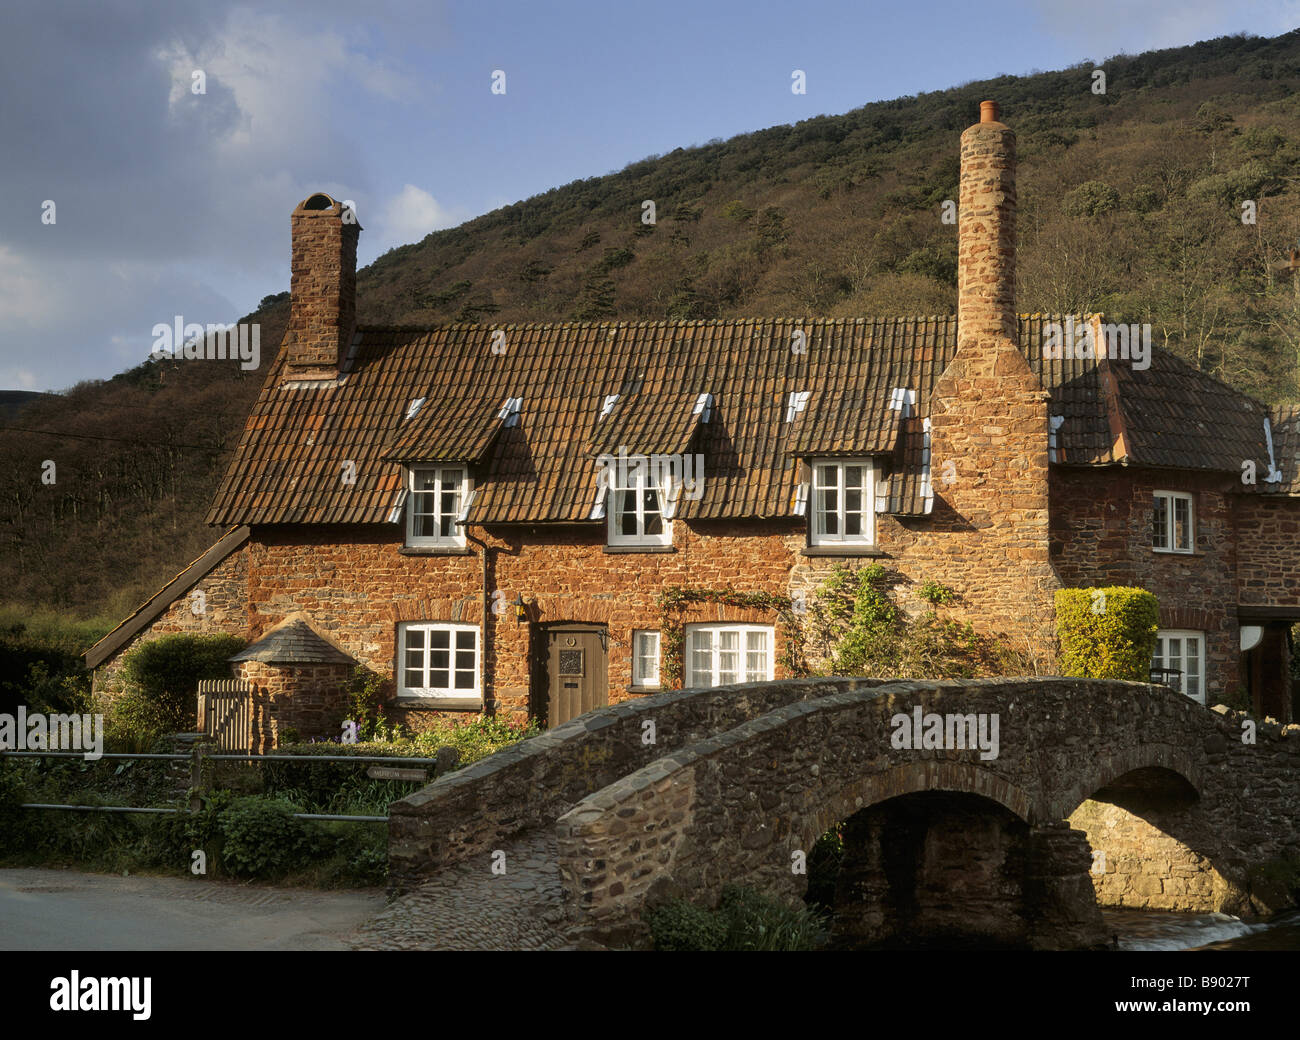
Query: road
point(67, 910)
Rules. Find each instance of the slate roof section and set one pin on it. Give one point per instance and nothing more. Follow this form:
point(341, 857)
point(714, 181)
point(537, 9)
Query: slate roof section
point(288, 466)
point(294, 643)
point(1173, 414)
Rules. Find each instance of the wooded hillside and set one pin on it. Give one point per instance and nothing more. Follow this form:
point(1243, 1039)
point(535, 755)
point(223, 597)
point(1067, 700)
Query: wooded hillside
point(1131, 203)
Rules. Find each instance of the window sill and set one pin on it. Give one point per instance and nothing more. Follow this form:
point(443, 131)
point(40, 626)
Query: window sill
point(843, 550)
point(1181, 555)
point(640, 548)
point(644, 690)
point(439, 703)
point(436, 550)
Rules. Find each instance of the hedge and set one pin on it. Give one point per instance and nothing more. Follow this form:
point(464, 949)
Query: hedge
point(1107, 633)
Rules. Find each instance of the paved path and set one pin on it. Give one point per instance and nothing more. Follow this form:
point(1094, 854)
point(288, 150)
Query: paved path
point(44, 909)
point(467, 907)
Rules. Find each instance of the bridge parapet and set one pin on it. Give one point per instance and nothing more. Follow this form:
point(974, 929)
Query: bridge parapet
point(534, 782)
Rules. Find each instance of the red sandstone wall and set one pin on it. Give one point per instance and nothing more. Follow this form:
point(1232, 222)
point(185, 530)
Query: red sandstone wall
point(1101, 535)
point(1268, 552)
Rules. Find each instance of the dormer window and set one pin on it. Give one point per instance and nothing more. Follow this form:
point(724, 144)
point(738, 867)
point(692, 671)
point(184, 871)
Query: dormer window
point(843, 500)
point(437, 499)
point(636, 506)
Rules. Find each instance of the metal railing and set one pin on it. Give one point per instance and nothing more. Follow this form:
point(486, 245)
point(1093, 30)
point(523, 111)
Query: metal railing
point(196, 758)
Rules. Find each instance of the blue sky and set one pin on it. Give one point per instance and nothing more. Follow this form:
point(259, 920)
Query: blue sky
point(169, 202)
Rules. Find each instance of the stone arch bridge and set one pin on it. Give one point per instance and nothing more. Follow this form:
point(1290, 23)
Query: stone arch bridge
point(959, 798)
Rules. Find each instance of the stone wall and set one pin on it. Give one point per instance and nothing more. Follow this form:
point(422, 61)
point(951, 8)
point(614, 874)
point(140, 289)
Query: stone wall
point(534, 782)
point(1268, 566)
point(1168, 853)
point(734, 807)
point(308, 699)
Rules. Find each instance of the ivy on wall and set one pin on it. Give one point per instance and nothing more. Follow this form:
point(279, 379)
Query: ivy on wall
point(677, 600)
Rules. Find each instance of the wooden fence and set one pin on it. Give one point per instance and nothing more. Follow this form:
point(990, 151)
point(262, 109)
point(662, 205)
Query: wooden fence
point(226, 714)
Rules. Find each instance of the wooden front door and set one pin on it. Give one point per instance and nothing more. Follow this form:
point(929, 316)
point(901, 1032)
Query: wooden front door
point(576, 672)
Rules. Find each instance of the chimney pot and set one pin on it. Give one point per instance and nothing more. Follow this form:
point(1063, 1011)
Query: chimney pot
point(989, 112)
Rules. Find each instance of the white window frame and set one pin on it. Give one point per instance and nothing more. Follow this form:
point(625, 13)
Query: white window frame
point(451, 692)
point(1170, 525)
point(463, 489)
point(714, 631)
point(638, 480)
point(818, 535)
point(645, 671)
point(1161, 659)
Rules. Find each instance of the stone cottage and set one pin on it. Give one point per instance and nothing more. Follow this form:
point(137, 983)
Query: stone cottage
point(489, 515)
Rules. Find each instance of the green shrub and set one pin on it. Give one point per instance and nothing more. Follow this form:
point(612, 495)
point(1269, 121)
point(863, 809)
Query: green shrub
point(365, 690)
point(823, 869)
point(758, 922)
point(13, 820)
point(1107, 633)
point(260, 837)
point(857, 630)
point(167, 671)
point(134, 721)
point(680, 926)
point(744, 920)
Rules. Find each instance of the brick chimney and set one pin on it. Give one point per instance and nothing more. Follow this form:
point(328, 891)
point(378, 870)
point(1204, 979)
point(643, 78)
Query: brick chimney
point(986, 231)
point(323, 287)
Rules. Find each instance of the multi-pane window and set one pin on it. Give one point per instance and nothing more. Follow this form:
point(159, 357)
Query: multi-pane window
point(438, 660)
point(1184, 653)
point(717, 655)
point(437, 496)
point(645, 658)
point(1174, 524)
point(843, 499)
point(636, 513)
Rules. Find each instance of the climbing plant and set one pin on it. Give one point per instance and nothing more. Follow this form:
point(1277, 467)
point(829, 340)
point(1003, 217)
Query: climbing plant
point(676, 600)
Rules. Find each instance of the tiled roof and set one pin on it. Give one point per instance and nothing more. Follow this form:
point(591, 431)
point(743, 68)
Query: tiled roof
point(1286, 449)
point(642, 423)
point(294, 643)
point(291, 462)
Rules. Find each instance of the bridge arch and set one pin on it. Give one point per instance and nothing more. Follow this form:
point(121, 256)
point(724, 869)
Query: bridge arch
point(955, 777)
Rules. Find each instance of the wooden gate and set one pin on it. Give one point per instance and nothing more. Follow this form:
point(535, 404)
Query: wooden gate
point(226, 714)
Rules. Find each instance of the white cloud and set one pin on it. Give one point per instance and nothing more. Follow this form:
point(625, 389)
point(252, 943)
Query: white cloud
point(279, 75)
point(412, 213)
point(17, 378)
point(25, 299)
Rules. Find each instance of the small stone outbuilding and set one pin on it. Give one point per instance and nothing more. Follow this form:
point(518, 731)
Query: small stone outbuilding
point(298, 682)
